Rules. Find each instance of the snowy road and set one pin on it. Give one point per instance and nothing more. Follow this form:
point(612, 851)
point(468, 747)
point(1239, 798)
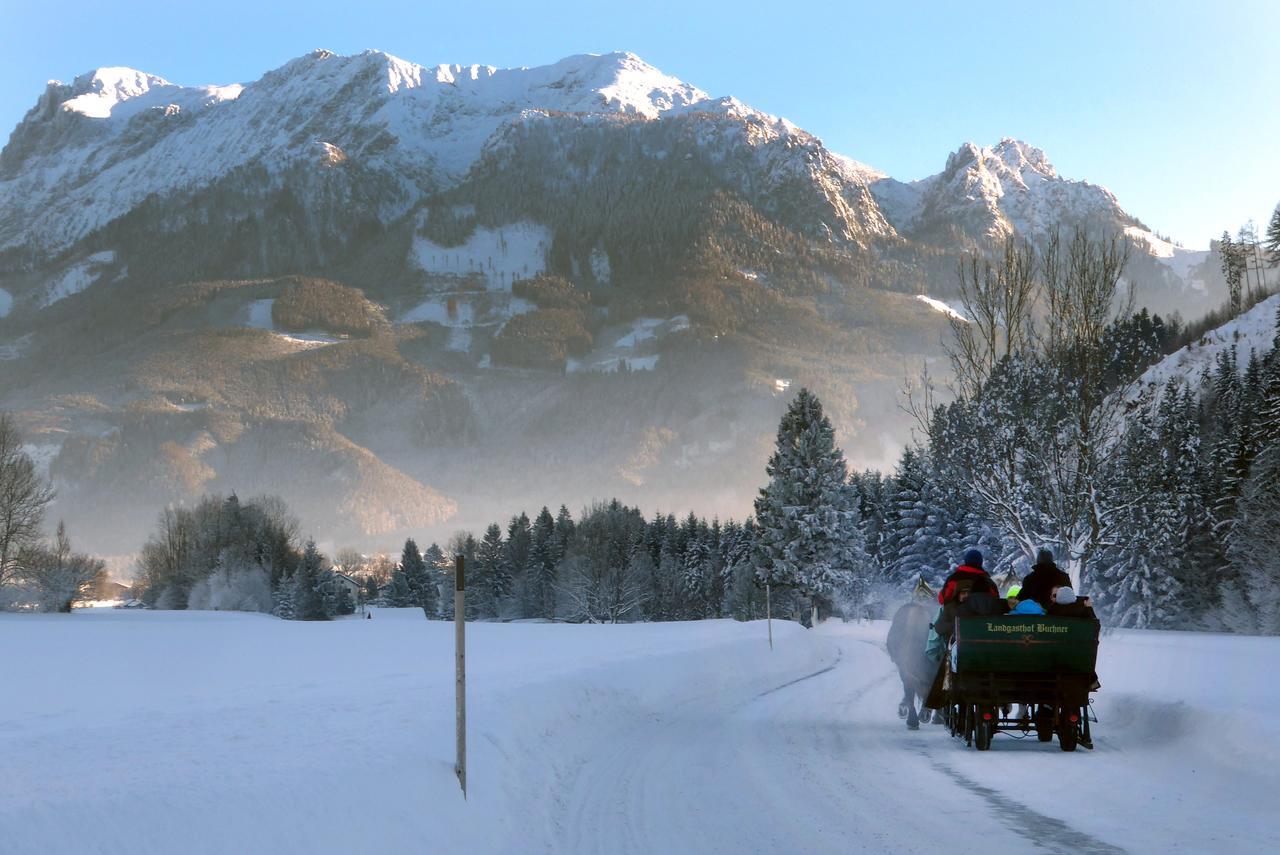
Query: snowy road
point(817, 764)
point(217, 732)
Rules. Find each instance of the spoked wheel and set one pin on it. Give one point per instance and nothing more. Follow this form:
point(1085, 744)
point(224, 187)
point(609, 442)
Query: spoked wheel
point(1044, 723)
point(1068, 728)
point(984, 728)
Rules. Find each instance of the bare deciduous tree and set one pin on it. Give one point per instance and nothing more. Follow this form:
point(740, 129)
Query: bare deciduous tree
point(60, 576)
point(24, 496)
point(1039, 417)
point(998, 299)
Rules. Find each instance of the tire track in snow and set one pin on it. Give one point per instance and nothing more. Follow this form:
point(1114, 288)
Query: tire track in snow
point(789, 683)
point(1044, 832)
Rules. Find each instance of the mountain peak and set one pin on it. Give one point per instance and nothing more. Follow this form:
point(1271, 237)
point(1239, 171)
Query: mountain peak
point(1019, 156)
point(97, 93)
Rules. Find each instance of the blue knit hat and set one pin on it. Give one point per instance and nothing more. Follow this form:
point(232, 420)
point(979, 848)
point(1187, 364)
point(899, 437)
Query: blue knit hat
point(973, 558)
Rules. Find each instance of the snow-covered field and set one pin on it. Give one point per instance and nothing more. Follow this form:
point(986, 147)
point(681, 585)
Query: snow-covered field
point(217, 732)
point(500, 255)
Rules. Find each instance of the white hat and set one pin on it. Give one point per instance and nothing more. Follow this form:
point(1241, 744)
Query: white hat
point(1065, 596)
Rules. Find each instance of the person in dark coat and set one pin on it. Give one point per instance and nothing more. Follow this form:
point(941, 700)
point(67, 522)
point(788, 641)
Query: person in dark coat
point(968, 578)
point(1045, 575)
point(967, 582)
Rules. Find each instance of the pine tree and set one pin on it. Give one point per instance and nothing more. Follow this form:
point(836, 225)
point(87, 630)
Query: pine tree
point(422, 587)
point(1273, 237)
point(1138, 587)
point(806, 512)
point(438, 568)
point(399, 595)
point(309, 590)
point(541, 574)
point(1232, 261)
point(694, 580)
point(492, 578)
point(564, 534)
point(1253, 600)
point(516, 558)
point(284, 606)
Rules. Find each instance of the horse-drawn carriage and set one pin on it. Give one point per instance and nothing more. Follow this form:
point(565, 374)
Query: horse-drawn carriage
point(1044, 663)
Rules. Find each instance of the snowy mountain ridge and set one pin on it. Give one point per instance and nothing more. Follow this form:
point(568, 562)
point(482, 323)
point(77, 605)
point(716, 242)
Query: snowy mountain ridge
point(92, 151)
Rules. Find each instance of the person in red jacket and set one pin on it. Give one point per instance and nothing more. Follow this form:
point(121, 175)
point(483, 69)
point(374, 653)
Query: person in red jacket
point(968, 578)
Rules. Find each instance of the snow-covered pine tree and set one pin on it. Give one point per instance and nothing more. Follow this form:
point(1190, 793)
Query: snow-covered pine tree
point(1273, 237)
point(516, 558)
point(492, 577)
point(540, 584)
point(806, 514)
point(438, 567)
point(694, 576)
point(717, 579)
point(872, 493)
point(309, 593)
point(422, 588)
point(565, 530)
point(283, 597)
point(1252, 604)
point(1136, 586)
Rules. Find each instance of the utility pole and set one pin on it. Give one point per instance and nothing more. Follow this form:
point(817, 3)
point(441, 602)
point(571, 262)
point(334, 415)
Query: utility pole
point(460, 643)
point(768, 612)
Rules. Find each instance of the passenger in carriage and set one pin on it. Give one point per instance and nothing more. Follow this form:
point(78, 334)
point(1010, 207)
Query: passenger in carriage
point(1045, 575)
point(1027, 608)
point(968, 578)
point(968, 592)
point(1066, 604)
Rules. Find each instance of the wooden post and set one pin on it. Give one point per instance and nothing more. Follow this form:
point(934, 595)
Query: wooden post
point(768, 612)
point(460, 643)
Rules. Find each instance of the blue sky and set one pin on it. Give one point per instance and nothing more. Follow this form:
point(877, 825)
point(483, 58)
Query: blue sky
point(1172, 105)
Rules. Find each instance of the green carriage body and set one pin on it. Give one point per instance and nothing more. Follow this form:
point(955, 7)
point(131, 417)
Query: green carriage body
point(1025, 645)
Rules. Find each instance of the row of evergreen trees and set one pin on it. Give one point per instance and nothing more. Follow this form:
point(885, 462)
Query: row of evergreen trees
point(609, 565)
point(1163, 503)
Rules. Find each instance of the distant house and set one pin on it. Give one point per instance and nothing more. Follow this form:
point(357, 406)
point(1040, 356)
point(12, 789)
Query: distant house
point(781, 385)
point(353, 586)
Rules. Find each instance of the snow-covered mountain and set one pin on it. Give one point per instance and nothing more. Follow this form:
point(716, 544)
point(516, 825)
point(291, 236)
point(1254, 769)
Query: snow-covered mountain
point(1010, 188)
point(91, 151)
point(334, 276)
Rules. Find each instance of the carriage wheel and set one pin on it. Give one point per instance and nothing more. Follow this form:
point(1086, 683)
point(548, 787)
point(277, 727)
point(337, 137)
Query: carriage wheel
point(1044, 723)
point(984, 728)
point(1068, 728)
